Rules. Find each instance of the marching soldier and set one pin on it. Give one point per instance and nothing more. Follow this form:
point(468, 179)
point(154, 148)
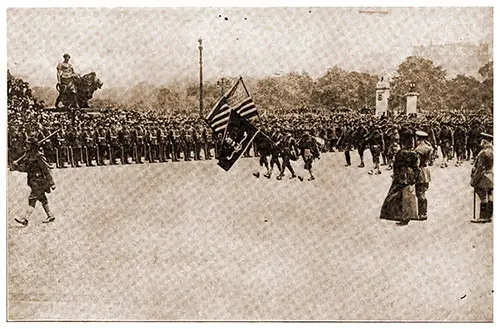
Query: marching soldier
point(113, 145)
point(376, 144)
point(360, 142)
point(186, 141)
point(208, 142)
point(345, 142)
point(424, 151)
point(474, 138)
point(139, 146)
point(102, 145)
point(73, 149)
point(152, 139)
point(460, 142)
point(89, 146)
point(288, 150)
point(124, 141)
point(446, 143)
point(275, 153)
point(62, 149)
point(197, 143)
point(162, 137)
point(392, 144)
point(482, 179)
point(40, 180)
point(309, 151)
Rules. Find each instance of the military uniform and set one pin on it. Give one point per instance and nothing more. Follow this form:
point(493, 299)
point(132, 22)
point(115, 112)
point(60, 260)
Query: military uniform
point(446, 143)
point(89, 146)
point(309, 151)
point(460, 143)
point(482, 179)
point(424, 151)
point(360, 142)
point(40, 180)
point(288, 150)
point(102, 145)
point(113, 145)
point(376, 144)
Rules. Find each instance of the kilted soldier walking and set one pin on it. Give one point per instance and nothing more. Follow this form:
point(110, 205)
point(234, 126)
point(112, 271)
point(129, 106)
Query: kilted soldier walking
point(482, 179)
point(309, 151)
point(40, 180)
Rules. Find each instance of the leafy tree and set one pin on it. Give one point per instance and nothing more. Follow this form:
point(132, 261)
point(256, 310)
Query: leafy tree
point(430, 81)
point(464, 92)
point(486, 88)
point(277, 93)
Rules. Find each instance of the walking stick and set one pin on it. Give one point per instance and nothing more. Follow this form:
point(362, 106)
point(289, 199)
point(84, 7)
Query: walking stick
point(57, 157)
point(474, 207)
point(97, 155)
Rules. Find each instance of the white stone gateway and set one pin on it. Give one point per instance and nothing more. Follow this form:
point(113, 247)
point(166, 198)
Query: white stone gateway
point(411, 100)
point(383, 91)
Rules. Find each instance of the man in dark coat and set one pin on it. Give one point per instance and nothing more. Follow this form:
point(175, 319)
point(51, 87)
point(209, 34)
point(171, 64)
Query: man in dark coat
point(40, 180)
point(482, 179)
point(424, 151)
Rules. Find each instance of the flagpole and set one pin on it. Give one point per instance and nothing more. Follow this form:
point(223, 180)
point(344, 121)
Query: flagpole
point(200, 47)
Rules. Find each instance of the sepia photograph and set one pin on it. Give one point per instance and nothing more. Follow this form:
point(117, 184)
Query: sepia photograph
point(249, 164)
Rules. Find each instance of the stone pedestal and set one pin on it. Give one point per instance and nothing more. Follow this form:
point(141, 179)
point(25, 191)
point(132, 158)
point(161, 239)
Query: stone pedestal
point(383, 91)
point(411, 102)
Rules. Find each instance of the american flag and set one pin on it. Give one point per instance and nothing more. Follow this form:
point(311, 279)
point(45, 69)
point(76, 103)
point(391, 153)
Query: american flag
point(237, 99)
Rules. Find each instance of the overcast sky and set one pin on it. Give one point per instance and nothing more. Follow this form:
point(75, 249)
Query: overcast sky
point(124, 46)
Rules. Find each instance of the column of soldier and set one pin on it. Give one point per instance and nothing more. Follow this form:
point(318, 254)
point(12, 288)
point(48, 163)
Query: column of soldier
point(114, 139)
point(110, 141)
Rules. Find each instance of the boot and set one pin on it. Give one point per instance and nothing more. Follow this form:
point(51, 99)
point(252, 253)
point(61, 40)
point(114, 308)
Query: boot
point(483, 214)
point(24, 220)
point(50, 216)
point(422, 209)
point(490, 211)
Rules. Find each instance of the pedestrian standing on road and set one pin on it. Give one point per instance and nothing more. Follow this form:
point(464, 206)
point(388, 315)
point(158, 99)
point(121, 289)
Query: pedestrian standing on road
point(424, 151)
point(482, 179)
point(400, 203)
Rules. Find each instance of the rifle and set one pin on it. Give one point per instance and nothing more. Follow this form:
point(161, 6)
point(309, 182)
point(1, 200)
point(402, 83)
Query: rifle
point(40, 142)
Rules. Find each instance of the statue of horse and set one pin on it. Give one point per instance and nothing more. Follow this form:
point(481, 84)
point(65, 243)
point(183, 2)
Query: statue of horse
point(85, 87)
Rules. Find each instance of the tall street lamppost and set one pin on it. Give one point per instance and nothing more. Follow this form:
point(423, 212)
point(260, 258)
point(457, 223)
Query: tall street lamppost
point(200, 47)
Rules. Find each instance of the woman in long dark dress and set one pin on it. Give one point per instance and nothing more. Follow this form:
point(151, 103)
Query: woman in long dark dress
point(400, 203)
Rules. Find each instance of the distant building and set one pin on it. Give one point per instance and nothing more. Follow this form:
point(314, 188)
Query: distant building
point(457, 58)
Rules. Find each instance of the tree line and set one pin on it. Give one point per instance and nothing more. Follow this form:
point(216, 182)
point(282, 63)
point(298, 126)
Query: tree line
point(336, 89)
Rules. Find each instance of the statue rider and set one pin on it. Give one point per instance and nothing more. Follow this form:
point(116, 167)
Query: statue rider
point(66, 81)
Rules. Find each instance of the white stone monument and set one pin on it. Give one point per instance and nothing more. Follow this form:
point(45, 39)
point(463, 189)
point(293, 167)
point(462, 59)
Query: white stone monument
point(411, 100)
point(383, 91)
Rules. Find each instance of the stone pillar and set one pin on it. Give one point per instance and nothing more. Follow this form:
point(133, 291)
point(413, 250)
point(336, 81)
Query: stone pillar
point(411, 102)
point(383, 91)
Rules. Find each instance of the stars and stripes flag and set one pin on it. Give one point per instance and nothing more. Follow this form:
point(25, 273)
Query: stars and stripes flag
point(237, 99)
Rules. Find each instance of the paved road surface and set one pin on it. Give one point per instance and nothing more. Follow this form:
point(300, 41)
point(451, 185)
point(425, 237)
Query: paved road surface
point(188, 241)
